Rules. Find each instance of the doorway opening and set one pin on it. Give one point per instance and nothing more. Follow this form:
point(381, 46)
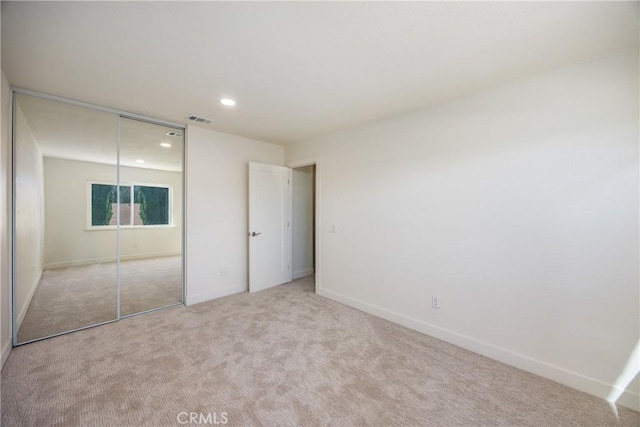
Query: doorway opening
point(303, 230)
point(271, 224)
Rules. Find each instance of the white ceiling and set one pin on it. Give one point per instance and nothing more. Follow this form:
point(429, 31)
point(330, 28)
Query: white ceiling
point(71, 132)
point(297, 70)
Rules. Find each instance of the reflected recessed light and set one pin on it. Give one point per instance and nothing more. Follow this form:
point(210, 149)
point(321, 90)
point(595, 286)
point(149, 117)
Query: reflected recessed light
point(139, 161)
point(165, 144)
point(228, 102)
point(172, 133)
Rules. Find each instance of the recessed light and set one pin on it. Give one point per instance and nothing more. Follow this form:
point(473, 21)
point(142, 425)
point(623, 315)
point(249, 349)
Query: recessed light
point(228, 102)
point(165, 144)
point(139, 161)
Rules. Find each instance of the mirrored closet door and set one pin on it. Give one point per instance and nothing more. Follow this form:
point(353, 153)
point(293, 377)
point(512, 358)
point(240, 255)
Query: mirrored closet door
point(97, 216)
point(150, 216)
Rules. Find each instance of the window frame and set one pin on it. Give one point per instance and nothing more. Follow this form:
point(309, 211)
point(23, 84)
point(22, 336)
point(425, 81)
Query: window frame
point(89, 205)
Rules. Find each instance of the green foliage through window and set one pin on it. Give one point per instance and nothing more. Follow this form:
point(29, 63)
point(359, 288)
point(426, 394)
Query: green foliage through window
point(154, 204)
point(150, 205)
point(102, 199)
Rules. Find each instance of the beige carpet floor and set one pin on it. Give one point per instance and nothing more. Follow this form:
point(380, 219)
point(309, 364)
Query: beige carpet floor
point(283, 356)
point(74, 297)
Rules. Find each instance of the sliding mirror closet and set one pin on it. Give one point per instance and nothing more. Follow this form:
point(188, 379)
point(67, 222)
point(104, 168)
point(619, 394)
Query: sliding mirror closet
point(98, 227)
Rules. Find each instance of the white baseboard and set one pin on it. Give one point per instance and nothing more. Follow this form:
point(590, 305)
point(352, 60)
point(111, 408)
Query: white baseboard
point(25, 308)
point(563, 376)
point(6, 350)
point(302, 273)
point(218, 293)
point(81, 262)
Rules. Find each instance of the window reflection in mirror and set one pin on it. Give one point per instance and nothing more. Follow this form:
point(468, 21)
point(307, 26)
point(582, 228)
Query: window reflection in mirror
point(150, 216)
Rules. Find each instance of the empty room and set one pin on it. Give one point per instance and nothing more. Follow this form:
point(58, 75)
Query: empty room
point(320, 213)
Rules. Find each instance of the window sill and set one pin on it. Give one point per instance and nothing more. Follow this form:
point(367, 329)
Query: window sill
point(127, 227)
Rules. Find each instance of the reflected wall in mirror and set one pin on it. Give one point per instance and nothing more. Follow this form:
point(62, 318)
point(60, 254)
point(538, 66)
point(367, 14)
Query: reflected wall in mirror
point(150, 216)
point(65, 276)
point(98, 217)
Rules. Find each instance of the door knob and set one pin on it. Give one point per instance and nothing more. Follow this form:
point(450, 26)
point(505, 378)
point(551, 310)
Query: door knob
point(254, 234)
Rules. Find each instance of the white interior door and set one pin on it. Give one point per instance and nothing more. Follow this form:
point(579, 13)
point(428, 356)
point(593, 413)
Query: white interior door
point(270, 207)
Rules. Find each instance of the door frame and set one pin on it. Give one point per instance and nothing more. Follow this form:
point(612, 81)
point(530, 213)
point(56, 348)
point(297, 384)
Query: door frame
point(317, 161)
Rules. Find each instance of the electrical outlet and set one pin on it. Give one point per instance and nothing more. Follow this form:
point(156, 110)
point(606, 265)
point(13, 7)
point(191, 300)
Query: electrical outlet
point(435, 302)
point(222, 272)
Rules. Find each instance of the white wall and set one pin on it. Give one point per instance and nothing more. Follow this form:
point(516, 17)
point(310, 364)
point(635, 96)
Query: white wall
point(30, 215)
point(516, 206)
point(5, 218)
point(68, 242)
point(302, 221)
point(217, 194)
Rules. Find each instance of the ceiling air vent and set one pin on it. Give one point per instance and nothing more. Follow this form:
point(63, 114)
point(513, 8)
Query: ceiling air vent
point(199, 119)
point(172, 133)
